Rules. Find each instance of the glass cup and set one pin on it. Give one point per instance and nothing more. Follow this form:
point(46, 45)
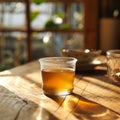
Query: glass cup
point(58, 74)
point(113, 65)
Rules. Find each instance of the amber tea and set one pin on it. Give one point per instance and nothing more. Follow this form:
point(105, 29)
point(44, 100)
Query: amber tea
point(58, 81)
point(58, 75)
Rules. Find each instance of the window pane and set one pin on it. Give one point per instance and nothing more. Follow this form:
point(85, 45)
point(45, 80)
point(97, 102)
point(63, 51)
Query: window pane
point(50, 44)
point(12, 49)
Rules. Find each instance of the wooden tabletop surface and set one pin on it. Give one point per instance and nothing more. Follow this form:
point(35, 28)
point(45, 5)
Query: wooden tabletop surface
point(95, 97)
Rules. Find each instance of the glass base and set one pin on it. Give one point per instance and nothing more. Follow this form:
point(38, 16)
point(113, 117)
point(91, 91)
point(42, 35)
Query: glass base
point(62, 93)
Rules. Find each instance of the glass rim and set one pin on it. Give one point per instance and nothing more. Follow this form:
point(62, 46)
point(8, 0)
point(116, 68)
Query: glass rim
point(115, 52)
point(48, 59)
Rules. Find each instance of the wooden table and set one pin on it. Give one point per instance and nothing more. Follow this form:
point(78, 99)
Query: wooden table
point(94, 97)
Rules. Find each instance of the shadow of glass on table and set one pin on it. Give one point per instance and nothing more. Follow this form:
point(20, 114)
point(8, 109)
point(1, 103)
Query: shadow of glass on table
point(84, 109)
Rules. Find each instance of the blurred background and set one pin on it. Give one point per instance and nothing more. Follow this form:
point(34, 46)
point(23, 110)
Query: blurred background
point(31, 29)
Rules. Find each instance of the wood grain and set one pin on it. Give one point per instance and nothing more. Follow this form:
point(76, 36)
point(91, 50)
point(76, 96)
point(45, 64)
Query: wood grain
point(21, 97)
